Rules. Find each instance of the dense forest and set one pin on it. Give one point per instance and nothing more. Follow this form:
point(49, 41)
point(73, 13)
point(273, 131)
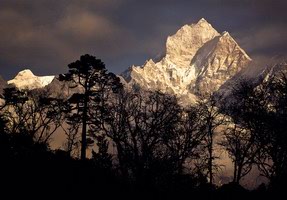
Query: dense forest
point(129, 143)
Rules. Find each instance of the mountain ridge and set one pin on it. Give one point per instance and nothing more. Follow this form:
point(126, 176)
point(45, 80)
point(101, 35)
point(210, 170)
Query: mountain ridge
point(198, 61)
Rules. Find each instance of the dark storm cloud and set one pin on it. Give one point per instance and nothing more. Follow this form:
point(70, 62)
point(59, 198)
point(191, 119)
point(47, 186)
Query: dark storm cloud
point(46, 35)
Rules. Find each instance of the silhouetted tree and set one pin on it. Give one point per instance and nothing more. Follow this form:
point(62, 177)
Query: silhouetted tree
point(185, 143)
point(89, 74)
point(17, 114)
point(71, 129)
point(3, 124)
point(137, 125)
point(241, 147)
point(211, 118)
point(102, 157)
point(33, 113)
point(262, 110)
point(155, 138)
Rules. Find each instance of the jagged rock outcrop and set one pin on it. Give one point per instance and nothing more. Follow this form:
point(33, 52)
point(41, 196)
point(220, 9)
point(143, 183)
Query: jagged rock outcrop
point(197, 62)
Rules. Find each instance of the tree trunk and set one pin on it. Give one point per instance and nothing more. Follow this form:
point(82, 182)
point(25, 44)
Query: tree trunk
point(210, 149)
point(235, 171)
point(240, 166)
point(84, 129)
point(210, 166)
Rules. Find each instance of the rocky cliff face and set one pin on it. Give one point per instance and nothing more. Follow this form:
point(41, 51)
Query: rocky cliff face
point(197, 62)
point(27, 80)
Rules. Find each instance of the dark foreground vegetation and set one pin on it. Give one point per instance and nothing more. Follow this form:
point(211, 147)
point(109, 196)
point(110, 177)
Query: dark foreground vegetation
point(141, 145)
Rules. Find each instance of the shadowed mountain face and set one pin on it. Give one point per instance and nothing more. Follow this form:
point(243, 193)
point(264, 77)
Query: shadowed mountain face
point(198, 61)
point(3, 84)
point(60, 89)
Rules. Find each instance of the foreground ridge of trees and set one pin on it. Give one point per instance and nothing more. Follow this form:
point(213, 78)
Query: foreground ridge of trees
point(143, 142)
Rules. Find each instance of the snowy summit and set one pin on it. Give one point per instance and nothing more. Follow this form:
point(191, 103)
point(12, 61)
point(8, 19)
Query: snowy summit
point(27, 80)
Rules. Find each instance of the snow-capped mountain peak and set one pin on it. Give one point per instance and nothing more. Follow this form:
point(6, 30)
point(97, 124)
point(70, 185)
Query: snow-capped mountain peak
point(198, 61)
point(26, 73)
point(27, 80)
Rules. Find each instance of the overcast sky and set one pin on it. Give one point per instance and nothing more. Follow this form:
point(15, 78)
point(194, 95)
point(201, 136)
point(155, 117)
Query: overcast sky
point(46, 35)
